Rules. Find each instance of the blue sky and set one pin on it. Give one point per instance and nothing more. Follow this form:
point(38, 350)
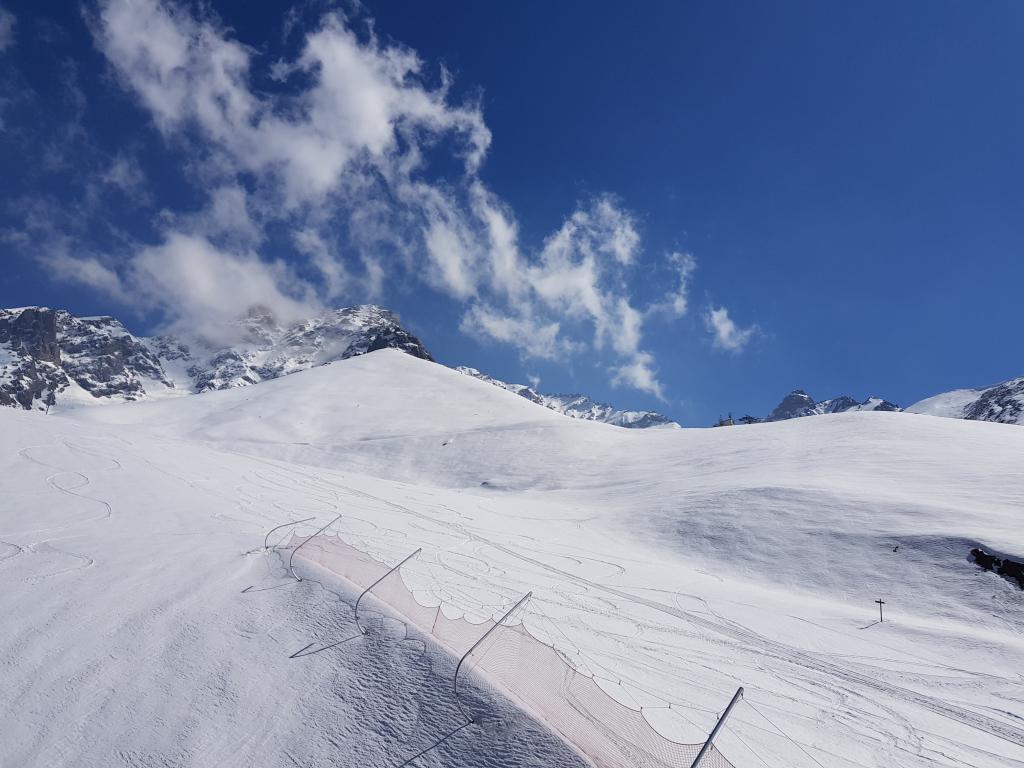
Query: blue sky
point(693, 207)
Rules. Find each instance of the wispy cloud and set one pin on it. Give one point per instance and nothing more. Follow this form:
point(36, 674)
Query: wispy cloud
point(125, 173)
point(7, 23)
point(352, 159)
point(725, 334)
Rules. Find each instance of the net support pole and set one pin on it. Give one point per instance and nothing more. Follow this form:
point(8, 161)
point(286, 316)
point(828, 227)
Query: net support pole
point(363, 594)
point(476, 645)
point(718, 726)
point(266, 539)
point(291, 569)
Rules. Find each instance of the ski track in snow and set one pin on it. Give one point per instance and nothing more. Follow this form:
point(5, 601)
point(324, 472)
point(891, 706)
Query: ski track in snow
point(69, 482)
point(820, 675)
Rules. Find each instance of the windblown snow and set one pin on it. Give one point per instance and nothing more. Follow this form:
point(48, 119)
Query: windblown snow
point(673, 565)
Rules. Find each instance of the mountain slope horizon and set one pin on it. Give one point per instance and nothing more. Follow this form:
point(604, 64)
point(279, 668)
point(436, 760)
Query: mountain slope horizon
point(52, 358)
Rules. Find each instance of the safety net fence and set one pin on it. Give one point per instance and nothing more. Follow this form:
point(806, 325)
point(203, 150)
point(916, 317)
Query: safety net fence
point(534, 674)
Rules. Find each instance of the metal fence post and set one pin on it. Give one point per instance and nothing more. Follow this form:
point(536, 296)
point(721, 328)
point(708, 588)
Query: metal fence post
point(721, 721)
point(290, 568)
point(363, 594)
point(487, 634)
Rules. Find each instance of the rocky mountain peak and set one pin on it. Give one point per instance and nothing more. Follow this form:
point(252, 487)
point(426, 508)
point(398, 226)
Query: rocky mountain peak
point(51, 357)
point(798, 404)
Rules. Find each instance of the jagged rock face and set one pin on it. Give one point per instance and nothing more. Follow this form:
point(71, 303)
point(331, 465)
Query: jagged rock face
point(1003, 403)
point(33, 331)
point(47, 353)
point(798, 404)
point(578, 406)
point(836, 404)
point(267, 350)
point(30, 372)
point(51, 357)
point(105, 359)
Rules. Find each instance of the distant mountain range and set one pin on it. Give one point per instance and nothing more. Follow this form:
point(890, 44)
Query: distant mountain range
point(1003, 403)
point(798, 404)
point(579, 406)
point(54, 359)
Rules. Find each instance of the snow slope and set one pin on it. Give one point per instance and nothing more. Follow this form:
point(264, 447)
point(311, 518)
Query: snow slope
point(1003, 403)
point(673, 565)
point(949, 405)
point(127, 639)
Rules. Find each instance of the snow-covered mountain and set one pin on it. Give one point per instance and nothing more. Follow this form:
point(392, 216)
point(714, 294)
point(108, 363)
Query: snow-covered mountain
point(798, 403)
point(1003, 403)
point(578, 406)
point(263, 349)
point(49, 356)
point(53, 358)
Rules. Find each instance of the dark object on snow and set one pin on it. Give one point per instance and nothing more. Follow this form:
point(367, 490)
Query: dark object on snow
point(1008, 569)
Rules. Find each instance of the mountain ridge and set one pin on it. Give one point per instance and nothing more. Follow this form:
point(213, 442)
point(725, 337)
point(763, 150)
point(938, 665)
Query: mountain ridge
point(578, 406)
point(50, 357)
point(798, 404)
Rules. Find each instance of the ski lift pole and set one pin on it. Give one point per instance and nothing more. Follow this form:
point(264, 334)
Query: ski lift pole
point(721, 721)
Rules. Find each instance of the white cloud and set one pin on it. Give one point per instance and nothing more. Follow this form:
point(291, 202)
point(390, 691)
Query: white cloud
point(125, 174)
point(577, 275)
point(7, 22)
point(364, 97)
point(536, 338)
point(343, 165)
point(677, 301)
point(200, 286)
point(725, 333)
point(331, 268)
point(639, 374)
point(227, 215)
point(86, 270)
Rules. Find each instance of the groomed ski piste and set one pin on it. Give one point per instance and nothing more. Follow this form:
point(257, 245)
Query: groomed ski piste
point(145, 625)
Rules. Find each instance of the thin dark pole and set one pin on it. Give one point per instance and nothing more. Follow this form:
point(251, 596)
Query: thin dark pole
point(721, 721)
point(290, 568)
point(880, 604)
point(266, 539)
point(487, 634)
point(378, 581)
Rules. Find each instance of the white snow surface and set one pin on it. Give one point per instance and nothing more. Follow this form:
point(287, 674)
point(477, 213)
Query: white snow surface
point(950, 405)
point(674, 565)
